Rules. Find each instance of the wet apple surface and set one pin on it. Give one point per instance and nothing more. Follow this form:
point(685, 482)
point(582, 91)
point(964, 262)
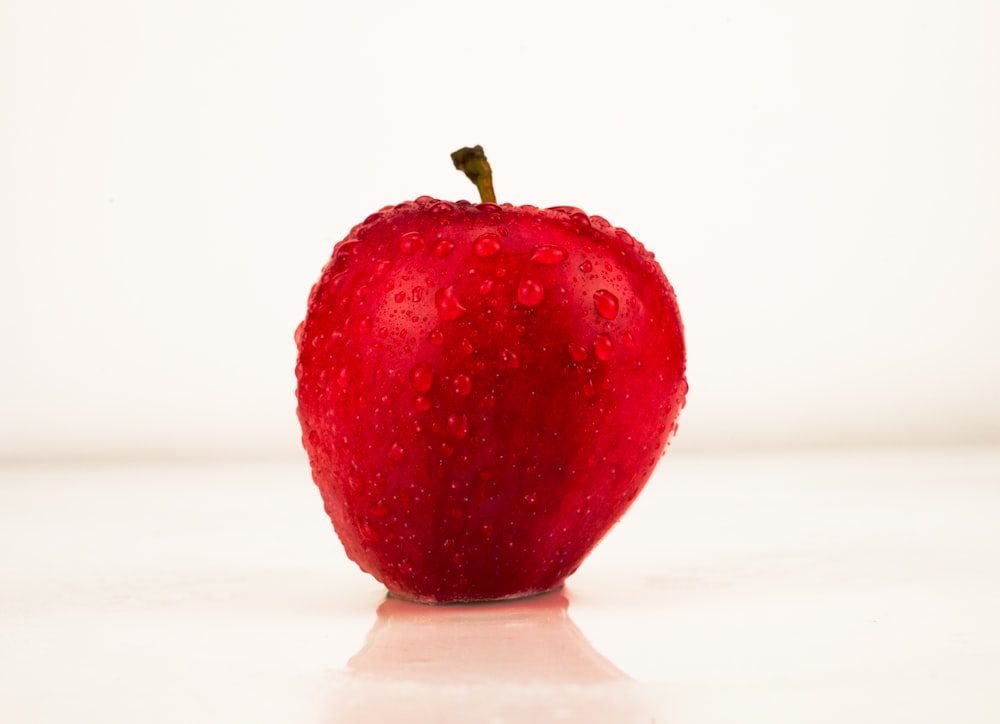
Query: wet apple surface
point(484, 390)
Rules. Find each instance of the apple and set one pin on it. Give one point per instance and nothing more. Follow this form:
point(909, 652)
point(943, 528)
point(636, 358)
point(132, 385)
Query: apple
point(484, 389)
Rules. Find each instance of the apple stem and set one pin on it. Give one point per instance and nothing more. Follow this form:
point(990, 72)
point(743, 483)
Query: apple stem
point(472, 162)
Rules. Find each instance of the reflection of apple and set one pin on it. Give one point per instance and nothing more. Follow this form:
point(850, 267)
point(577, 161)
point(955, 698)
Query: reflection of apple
point(522, 661)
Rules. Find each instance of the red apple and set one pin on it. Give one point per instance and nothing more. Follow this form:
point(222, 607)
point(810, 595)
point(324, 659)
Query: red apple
point(484, 389)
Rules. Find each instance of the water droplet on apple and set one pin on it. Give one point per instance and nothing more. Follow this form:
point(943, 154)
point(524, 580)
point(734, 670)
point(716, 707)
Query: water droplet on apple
point(436, 337)
point(298, 332)
point(603, 347)
point(486, 287)
point(367, 532)
point(586, 267)
point(421, 377)
point(466, 346)
point(400, 297)
point(606, 303)
point(628, 339)
point(405, 567)
point(396, 452)
point(343, 378)
point(530, 498)
point(463, 385)
point(442, 207)
point(324, 379)
point(487, 245)
point(510, 359)
point(381, 267)
point(410, 242)
point(458, 426)
point(530, 293)
point(449, 306)
point(379, 509)
point(548, 254)
point(577, 352)
point(417, 294)
point(365, 324)
point(422, 403)
point(442, 248)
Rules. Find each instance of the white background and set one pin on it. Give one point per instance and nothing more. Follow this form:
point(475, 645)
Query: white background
point(820, 181)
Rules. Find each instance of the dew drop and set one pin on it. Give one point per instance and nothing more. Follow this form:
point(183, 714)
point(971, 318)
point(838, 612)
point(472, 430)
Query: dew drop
point(436, 337)
point(628, 339)
point(458, 426)
point(442, 206)
point(466, 346)
point(442, 248)
point(577, 352)
point(382, 267)
point(298, 332)
point(463, 385)
point(530, 293)
point(324, 379)
point(486, 287)
point(396, 452)
point(418, 294)
point(510, 359)
point(365, 324)
point(487, 245)
point(606, 303)
point(448, 304)
point(367, 532)
point(343, 378)
point(410, 242)
point(586, 267)
point(548, 254)
point(400, 297)
point(446, 449)
point(422, 403)
point(603, 347)
point(421, 377)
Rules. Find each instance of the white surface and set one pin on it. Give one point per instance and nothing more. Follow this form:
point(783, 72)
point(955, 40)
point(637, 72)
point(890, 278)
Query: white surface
point(818, 179)
point(824, 587)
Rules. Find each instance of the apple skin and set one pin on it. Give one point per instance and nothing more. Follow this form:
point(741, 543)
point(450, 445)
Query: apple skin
point(483, 391)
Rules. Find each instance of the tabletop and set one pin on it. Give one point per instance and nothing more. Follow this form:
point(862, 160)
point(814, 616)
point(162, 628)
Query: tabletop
point(856, 585)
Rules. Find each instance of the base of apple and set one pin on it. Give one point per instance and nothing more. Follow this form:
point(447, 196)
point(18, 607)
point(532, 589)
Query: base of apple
point(474, 601)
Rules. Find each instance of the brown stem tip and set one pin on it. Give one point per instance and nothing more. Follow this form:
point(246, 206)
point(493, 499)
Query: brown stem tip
point(472, 162)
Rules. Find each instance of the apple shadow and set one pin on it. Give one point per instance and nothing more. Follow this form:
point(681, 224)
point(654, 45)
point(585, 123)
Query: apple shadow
point(520, 661)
